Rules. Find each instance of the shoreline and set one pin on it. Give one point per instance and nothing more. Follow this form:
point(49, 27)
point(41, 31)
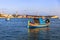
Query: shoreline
point(26, 16)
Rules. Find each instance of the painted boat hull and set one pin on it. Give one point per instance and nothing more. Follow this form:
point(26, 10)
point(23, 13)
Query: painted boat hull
point(39, 26)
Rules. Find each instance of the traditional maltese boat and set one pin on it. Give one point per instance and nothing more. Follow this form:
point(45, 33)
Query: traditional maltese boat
point(38, 23)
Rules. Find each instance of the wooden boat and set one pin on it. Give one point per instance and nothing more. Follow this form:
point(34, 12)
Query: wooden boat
point(38, 24)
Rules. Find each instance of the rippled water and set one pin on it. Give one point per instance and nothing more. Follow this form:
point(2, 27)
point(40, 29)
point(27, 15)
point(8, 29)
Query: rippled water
point(16, 29)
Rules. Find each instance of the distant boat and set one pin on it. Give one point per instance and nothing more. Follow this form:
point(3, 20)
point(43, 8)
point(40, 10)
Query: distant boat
point(38, 23)
point(7, 19)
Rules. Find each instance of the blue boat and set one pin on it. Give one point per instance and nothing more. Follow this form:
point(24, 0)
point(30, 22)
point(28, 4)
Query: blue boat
point(38, 23)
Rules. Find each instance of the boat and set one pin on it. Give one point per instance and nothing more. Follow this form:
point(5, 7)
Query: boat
point(38, 23)
point(7, 19)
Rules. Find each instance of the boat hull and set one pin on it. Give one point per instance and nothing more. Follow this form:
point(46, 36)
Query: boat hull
point(39, 26)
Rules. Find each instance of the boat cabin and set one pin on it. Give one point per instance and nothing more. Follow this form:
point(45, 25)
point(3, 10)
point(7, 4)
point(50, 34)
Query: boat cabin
point(39, 21)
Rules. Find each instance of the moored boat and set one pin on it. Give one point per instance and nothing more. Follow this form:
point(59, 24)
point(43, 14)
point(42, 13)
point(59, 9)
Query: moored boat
point(38, 23)
point(7, 19)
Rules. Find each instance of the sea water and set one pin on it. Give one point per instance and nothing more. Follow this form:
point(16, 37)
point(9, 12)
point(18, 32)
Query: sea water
point(16, 29)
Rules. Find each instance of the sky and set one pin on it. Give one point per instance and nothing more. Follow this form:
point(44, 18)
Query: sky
point(39, 7)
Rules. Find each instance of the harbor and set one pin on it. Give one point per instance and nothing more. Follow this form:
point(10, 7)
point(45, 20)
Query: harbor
point(29, 19)
point(16, 29)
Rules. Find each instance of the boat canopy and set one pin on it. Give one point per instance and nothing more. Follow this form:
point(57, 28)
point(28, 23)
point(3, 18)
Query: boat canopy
point(42, 21)
point(39, 21)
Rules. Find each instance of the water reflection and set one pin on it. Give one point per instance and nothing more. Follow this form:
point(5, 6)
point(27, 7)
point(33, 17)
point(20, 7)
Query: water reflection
point(39, 34)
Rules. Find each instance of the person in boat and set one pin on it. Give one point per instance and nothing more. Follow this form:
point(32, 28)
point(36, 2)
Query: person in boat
point(34, 22)
point(47, 21)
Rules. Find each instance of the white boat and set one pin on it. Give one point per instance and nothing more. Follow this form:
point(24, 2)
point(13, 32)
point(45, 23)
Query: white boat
point(7, 19)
